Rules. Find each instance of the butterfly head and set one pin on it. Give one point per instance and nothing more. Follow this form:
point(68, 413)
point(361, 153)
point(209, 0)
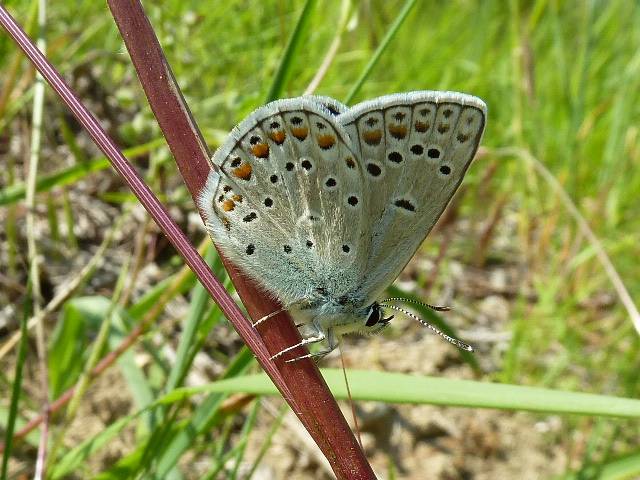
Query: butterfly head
point(344, 313)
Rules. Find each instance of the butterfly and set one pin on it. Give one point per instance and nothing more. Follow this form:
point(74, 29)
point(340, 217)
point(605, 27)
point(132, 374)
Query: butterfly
point(324, 205)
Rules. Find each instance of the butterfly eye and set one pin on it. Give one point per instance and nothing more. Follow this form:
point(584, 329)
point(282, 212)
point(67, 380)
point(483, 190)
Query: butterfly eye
point(374, 315)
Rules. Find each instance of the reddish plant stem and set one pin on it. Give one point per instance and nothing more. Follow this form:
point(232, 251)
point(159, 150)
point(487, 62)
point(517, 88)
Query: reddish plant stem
point(307, 392)
point(310, 398)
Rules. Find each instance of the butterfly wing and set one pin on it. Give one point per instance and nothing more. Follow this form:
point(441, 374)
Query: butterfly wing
point(415, 149)
point(285, 203)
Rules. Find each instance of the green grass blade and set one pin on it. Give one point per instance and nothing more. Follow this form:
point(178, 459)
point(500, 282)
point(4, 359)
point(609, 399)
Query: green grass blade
point(266, 443)
point(622, 468)
point(284, 69)
point(199, 301)
point(72, 461)
point(15, 193)
point(17, 384)
point(247, 428)
point(402, 388)
point(134, 376)
point(202, 419)
point(393, 29)
point(154, 294)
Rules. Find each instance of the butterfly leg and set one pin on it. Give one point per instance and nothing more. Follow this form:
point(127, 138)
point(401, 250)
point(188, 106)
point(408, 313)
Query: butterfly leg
point(332, 344)
point(280, 310)
point(267, 317)
point(316, 356)
point(305, 341)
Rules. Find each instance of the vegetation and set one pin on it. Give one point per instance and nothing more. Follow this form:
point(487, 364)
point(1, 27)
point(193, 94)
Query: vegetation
point(548, 206)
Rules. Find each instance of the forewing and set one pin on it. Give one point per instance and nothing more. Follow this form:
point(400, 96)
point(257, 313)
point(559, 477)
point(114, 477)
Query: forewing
point(415, 149)
point(286, 202)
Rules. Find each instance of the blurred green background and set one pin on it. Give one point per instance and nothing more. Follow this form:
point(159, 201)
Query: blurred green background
point(535, 255)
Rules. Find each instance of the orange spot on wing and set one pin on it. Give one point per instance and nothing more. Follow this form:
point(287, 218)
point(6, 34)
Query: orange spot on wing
point(260, 150)
point(237, 198)
point(326, 141)
point(421, 127)
point(243, 171)
point(300, 132)
point(372, 137)
point(277, 136)
point(228, 205)
point(398, 131)
point(226, 223)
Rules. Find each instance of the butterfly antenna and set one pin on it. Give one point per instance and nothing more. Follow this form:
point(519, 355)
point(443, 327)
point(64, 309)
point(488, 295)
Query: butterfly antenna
point(437, 308)
point(458, 343)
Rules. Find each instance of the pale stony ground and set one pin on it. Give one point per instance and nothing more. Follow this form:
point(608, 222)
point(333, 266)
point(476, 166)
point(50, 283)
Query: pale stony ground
point(424, 441)
point(415, 441)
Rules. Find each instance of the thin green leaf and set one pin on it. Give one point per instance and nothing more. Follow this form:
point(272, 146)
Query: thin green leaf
point(205, 416)
point(15, 193)
point(393, 29)
point(17, 383)
point(150, 299)
point(622, 468)
point(247, 428)
point(199, 300)
point(402, 388)
point(135, 378)
point(72, 461)
point(78, 322)
point(266, 443)
point(286, 62)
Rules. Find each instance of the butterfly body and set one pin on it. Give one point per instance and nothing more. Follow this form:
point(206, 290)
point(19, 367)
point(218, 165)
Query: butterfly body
point(324, 205)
